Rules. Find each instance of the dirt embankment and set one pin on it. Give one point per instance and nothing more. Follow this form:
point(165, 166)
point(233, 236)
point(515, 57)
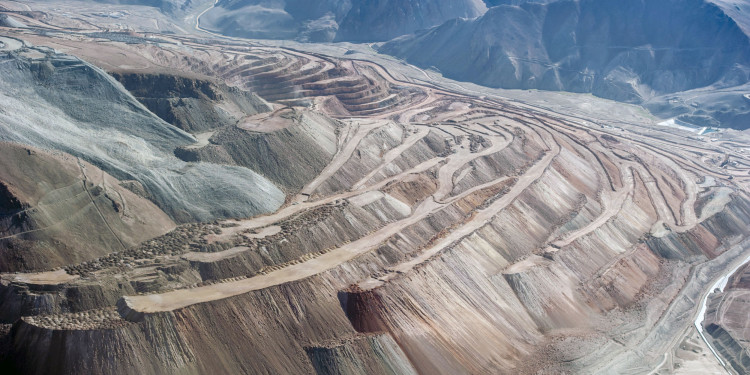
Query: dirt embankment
point(56, 210)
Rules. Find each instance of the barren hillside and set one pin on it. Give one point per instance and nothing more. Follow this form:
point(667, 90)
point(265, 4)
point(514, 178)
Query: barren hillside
point(677, 58)
point(226, 206)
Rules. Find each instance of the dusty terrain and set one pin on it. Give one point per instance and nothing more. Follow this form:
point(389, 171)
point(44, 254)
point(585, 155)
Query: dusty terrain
point(58, 209)
point(424, 227)
point(726, 322)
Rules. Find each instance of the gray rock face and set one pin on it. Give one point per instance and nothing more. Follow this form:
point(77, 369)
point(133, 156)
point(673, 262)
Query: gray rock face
point(382, 20)
point(193, 105)
point(66, 104)
point(342, 20)
point(631, 51)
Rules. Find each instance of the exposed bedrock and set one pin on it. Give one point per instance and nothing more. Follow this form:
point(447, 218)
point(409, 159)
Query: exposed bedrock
point(192, 104)
point(309, 235)
point(456, 235)
point(289, 147)
point(245, 254)
point(202, 338)
point(121, 345)
point(342, 20)
point(64, 103)
point(481, 304)
point(22, 299)
point(362, 307)
point(621, 50)
point(553, 298)
point(719, 229)
point(367, 156)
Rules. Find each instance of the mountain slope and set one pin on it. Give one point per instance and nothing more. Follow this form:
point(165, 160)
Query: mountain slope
point(630, 51)
point(386, 19)
point(441, 233)
point(342, 20)
point(56, 209)
point(64, 103)
point(191, 104)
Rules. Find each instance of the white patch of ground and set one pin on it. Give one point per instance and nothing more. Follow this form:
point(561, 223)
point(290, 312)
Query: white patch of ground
point(202, 140)
point(9, 44)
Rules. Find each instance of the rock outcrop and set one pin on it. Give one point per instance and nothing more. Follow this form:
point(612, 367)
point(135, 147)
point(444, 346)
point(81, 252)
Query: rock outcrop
point(726, 322)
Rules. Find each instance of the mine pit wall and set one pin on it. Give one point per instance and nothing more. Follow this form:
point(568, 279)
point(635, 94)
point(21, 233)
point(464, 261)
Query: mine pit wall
point(290, 157)
point(726, 321)
point(283, 319)
point(460, 311)
point(293, 317)
point(17, 300)
point(708, 238)
point(521, 153)
point(431, 146)
point(242, 334)
point(451, 317)
point(342, 226)
point(283, 78)
point(151, 347)
point(204, 338)
point(725, 329)
point(346, 223)
point(365, 355)
point(730, 348)
point(366, 158)
point(588, 256)
point(435, 311)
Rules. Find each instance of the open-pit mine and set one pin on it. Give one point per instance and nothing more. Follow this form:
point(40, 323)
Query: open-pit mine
point(188, 203)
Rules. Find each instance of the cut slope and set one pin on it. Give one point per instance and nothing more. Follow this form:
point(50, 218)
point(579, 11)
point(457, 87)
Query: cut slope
point(64, 103)
point(289, 147)
point(191, 104)
point(56, 209)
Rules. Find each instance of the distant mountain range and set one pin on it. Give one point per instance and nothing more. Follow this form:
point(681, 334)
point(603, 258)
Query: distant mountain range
point(634, 51)
point(677, 58)
point(329, 20)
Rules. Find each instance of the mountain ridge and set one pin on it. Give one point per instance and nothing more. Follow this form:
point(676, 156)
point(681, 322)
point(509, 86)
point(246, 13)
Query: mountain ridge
point(584, 46)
